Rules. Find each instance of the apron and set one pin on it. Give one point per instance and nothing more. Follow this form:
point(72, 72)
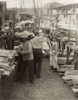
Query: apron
point(53, 57)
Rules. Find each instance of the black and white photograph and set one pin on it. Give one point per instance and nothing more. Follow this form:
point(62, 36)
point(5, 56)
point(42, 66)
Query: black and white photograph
point(38, 49)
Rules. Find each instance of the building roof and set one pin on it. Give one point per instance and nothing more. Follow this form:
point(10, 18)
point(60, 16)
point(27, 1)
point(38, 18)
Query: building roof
point(53, 5)
point(75, 4)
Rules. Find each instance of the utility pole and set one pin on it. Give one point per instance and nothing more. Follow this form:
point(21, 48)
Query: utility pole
point(34, 12)
point(39, 13)
point(34, 7)
point(38, 19)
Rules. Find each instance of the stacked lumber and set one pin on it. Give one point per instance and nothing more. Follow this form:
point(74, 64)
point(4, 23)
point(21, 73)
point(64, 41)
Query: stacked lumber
point(73, 72)
point(7, 53)
point(6, 61)
point(62, 60)
point(70, 75)
point(71, 78)
point(64, 68)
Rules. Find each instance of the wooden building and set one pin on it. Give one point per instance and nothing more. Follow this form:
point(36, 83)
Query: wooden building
point(66, 13)
point(2, 13)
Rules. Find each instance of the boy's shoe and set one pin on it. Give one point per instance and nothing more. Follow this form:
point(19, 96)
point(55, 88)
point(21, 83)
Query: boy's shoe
point(51, 68)
point(38, 76)
point(31, 81)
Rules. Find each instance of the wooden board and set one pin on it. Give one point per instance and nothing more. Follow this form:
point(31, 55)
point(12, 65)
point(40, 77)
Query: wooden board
point(4, 59)
point(7, 73)
point(72, 72)
point(2, 71)
point(65, 69)
point(70, 77)
point(7, 53)
point(61, 74)
point(75, 90)
point(62, 60)
point(7, 66)
point(66, 66)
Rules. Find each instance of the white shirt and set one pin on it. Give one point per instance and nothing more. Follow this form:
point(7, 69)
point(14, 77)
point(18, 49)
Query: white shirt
point(37, 42)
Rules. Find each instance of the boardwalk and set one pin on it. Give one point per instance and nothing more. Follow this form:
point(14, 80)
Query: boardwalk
point(49, 87)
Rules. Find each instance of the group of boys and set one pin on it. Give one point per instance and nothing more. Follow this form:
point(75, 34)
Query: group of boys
point(30, 54)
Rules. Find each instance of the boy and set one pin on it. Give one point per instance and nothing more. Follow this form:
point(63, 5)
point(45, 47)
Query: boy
point(26, 50)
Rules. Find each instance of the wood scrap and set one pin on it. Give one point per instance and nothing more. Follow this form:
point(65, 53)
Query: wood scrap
point(75, 90)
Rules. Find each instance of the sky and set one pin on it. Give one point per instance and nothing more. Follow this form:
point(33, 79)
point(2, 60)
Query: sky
point(29, 3)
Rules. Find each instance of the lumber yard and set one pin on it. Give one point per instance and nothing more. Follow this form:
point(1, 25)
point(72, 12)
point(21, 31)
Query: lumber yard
point(39, 51)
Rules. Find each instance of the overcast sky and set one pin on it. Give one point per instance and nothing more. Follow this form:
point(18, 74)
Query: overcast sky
point(29, 3)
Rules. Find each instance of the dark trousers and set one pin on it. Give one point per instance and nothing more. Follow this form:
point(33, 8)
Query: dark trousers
point(20, 60)
point(37, 68)
point(10, 46)
point(37, 61)
point(24, 66)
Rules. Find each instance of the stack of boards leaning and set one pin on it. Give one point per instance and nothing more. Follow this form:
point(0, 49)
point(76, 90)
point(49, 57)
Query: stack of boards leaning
point(71, 78)
point(63, 67)
point(6, 61)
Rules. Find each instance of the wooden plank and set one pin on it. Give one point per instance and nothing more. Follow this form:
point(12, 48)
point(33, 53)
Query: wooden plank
point(7, 73)
point(75, 90)
point(72, 72)
point(65, 69)
point(70, 77)
point(62, 60)
point(66, 66)
point(7, 66)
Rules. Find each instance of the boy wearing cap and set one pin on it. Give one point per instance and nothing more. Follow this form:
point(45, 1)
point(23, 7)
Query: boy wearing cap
point(26, 50)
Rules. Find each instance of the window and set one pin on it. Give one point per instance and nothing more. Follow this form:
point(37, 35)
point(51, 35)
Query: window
point(1, 8)
point(64, 16)
point(73, 10)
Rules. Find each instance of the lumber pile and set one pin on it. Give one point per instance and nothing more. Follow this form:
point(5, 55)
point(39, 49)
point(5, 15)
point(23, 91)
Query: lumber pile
point(71, 78)
point(6, 61)
point(64, 68)
point(68, 72)
point(62, 60)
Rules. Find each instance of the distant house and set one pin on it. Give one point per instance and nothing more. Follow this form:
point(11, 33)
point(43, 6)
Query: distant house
point(49, 13)
point(49, 8)
point(70, 8)
point(67, 13)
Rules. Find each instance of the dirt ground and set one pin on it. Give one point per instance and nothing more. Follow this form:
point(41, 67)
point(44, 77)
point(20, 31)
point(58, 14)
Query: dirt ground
point(49, 87)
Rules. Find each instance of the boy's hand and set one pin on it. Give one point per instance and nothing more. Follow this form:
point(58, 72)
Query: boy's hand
point(19, 52)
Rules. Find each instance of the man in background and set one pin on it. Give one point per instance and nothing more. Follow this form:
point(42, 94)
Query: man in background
point(37, 52)
point(10, 37)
